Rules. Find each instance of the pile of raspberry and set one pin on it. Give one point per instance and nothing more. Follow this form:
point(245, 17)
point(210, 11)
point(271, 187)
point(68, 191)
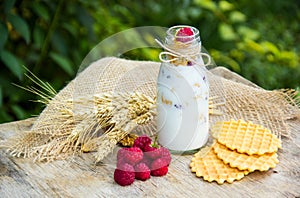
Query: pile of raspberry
point(143, 159)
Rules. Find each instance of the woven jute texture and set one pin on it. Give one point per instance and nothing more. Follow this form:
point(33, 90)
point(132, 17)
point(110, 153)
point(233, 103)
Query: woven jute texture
point(57, 133)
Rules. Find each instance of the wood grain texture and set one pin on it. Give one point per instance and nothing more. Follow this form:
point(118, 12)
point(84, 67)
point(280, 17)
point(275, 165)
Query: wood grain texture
point(80, 177)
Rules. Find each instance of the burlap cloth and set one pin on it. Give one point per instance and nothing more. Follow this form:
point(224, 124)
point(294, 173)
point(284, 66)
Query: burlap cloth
point(54, 125)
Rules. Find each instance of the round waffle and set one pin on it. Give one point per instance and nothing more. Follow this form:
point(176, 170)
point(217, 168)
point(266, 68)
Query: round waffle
point(206, 164)
point(244, 161)
point(245, 137)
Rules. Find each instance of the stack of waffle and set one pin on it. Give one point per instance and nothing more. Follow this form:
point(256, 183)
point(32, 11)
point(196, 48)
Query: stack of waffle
point(239, 148)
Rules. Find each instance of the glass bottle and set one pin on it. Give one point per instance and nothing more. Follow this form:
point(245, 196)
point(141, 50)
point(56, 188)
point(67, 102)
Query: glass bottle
point(182, 91)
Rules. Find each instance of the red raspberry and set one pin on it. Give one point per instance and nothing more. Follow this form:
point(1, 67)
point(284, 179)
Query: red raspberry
point(121, 154)
point(152, 152)
point(133, 155)
point(124, 175)
point(165, 155)
point(158, 163)
point(146, 160)
point(160, 172)
point(120, 162)
point(142, 171)
point(142, 141)
point(183, 35)
point(186, 31)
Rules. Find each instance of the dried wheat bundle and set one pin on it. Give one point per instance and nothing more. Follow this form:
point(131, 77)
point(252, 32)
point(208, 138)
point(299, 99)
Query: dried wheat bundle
point(119, 114)
point(115, 116)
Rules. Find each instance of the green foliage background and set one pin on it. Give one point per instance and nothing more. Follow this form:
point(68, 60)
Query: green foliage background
point(257, 39)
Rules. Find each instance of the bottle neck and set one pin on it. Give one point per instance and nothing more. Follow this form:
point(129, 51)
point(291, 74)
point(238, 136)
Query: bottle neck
point(186, 43)
point(182, 47)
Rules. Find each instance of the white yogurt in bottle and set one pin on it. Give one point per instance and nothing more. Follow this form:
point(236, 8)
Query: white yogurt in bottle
point(182, 92)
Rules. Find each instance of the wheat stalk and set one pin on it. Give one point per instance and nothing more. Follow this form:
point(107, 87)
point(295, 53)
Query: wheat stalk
point(123, 112)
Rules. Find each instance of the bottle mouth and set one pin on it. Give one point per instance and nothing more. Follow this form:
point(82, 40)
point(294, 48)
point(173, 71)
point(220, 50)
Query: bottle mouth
point(173, 32)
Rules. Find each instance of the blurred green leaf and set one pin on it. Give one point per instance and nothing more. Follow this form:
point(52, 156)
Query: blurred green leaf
point(251, 45)
point(226, 32)
point(11, 62)
point(248, 33)
point(58, 42)
point(41, 11)
point(208, 4)
point(19, 112)
point(194, 12)
point(87, 20)
point(4, 35)
point(237, 55)
point(270, 47)
point(225, 6)
point(225, 60)
point(8, 5)
point(237, 17)
point(4, 116)
point(63, 62)
point(70, 28)
point(20, 26)
point(289, 58)
point(38, 36)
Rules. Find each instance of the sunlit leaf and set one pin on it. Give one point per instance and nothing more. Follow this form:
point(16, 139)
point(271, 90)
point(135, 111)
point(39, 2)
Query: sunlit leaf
point(63, 62)
point(270, 57)
point(226, 6)
point(20, 26)
point(248, 33)
point(237, 54)
point(270, 47)
point(226, 32)
point(237, 17)
point(4, 35)
point(208, 4)
point(221, 58)
point(290, 58)
point(11, 62)
point(254, 46)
